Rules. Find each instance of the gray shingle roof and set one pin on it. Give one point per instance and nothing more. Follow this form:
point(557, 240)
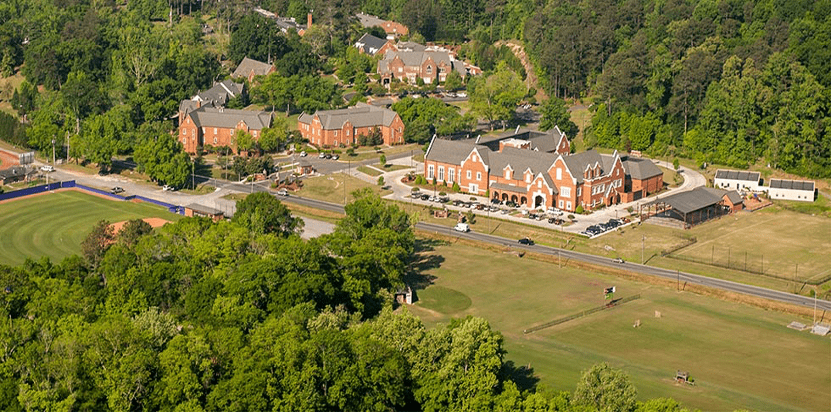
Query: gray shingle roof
point(370, 44)
point(360, 115)
point(640, 169)
point(578, 162)
point(367, 20)
point(186, 106)
point(508, 188)
point(250, 65)
point(410, 46)
point(738, 175)
point(203, 209)
point(228, 118)
point(694, 199)
point(520, 160)
point(803, 185)
point(451, 151)
point(416, 58)
point(220, 93)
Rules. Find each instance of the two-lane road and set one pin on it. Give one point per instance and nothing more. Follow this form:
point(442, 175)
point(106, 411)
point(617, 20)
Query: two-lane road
point(599, 260)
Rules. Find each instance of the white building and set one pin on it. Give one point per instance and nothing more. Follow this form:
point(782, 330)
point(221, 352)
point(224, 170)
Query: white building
point(801, 190)
point(738, 180)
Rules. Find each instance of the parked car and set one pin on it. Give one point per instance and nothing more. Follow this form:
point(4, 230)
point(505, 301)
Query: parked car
point(282, 192)
point(335, 157)
point(525, 241)
point(618, 260)
point(47, 168)
point(462, 227)
point(495, 201)
point(303, 154)
point(116, 190)
point(168, 188)
point(321, 155)
point(327, 156)
point(415, 195)
point(462, 94)
point(424, 197)
point(511, 204)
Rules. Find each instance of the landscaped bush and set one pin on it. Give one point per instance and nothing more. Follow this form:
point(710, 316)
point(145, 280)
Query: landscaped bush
point(455, 187)
point(579, 210)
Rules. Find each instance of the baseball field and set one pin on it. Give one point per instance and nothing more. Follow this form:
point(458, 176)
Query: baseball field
point(55, 224)
point(740, 357)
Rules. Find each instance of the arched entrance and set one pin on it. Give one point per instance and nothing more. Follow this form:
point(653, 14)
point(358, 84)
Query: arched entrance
point(539, 201)
point(514, 198)
point(523, 201)
point(504, 198)
point(496, 195)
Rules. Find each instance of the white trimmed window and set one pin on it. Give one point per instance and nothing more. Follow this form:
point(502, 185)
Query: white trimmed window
point(451, 173)
point(566, 191)
point(184, 132)
point(539, 184)
point(479, 176)
point(508, 173)
point(441, 173)
point(568, 205)
point(467, 174)
point(558, 173)
point(528, 178)
point(430, 172)
point(560, 203)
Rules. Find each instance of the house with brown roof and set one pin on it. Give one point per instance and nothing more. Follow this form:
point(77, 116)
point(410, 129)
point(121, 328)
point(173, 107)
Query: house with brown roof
point(249, 68)
point(344, 126)
point(206, 125)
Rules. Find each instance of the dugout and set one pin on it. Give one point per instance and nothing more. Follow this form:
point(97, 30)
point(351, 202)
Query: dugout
point(693, 206)
point(195, 210)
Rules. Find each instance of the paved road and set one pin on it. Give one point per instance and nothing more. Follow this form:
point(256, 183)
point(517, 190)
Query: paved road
point(603, 261)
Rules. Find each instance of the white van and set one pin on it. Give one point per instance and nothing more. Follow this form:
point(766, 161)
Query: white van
point(462, 227)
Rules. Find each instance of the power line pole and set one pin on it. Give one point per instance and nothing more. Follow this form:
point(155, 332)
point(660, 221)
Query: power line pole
point(642, 249)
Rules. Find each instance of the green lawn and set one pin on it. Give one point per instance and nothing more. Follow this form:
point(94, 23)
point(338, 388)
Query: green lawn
point(364, 153)
point(369, 171)
point(55, 224)
point(332, 188)
point(740, 356)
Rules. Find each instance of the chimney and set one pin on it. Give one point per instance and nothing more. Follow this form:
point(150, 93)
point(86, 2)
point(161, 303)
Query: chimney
point(309, 20)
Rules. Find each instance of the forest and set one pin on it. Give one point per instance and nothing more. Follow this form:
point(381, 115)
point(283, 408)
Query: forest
point(244, 315)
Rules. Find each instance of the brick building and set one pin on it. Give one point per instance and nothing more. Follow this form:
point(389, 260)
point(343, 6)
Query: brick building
point(249, 68)
point(427, 64)
point(642, 178)
point(344, 126)
point(216, 126)
point(513, 168)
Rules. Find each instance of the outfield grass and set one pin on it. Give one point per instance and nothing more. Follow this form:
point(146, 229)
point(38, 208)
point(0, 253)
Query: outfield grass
point(55, 224)
point(332, 188)
point(740, 356)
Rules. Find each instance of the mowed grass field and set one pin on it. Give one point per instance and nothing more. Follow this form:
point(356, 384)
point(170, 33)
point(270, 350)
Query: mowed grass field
point(55, 224)
point(741, 357)
point(332, 188)
point(781, 242)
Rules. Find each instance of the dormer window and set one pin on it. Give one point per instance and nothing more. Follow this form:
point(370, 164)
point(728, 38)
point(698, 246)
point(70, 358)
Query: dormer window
point(508, 174)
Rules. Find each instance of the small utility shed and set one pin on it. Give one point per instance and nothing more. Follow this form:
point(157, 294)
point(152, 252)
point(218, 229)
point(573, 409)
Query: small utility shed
point(195, 210)
point(738, 180)
point(694, 206)
point(802, 190)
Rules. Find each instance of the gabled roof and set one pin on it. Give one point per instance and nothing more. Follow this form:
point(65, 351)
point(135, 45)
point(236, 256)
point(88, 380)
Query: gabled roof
point(577, 163)
point(640, 169)
point(360, 115)
point(367, 20)
point(220, 93)
point(520, 160)
point(250, 65)
point(370, 44)
point(416, 58)
point(187, 106)
point(16, 171)
point(508, 188)
point(803, 185)
point(695, 199)
point(738, 175)
point(409, 46)
point(450, 151)
point(228, 118)
point(203, 209)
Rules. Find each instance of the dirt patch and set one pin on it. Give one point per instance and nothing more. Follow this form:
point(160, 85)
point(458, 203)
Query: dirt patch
point(8, 159)
point(154, 222)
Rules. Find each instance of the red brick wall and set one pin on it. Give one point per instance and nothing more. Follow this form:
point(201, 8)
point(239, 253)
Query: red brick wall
point(474, 166)
point(348, 134)
point(564, 182)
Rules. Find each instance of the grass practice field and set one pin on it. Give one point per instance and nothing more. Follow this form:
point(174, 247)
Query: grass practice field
point(740, 356)
point(331, 188)
point(55, 224)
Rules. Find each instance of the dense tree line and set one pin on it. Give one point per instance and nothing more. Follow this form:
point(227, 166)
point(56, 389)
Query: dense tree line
point(245, 315)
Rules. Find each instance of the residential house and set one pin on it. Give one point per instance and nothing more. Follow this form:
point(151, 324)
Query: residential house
point(344, 126)
point(429, 65)
point(372, 45)
point(249, 68)
point(286, 23)
point(515, 171)
point(392, 28)
point(218, 95)
point(216, 126)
